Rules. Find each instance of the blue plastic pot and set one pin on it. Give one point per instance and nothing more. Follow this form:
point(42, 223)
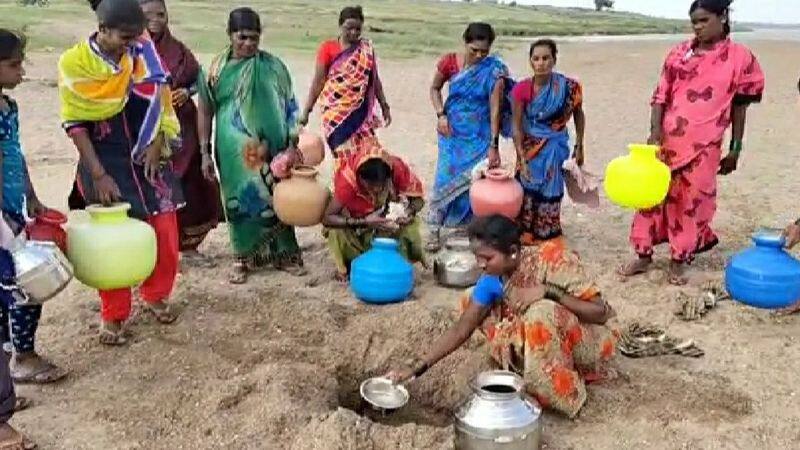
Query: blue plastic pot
point(764, 276)
point(382, 275)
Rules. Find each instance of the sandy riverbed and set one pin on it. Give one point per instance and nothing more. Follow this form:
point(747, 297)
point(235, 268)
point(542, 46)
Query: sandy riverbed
point(268, 364)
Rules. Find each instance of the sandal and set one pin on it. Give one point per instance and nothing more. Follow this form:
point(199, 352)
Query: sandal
point(112, 338)
point(695, 307)
point(295, 270)
point(47, 373)
point(22, 404)
point(641, 341)
point(163, 313)
point(239, 274)
point(199, 260)
point(676, 275)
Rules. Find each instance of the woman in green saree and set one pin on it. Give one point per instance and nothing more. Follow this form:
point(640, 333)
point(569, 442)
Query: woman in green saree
point(249, 91)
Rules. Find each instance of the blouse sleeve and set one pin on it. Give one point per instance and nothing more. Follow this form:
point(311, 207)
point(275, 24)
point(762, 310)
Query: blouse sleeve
point(521, 92)
point(327, 52)
point(663, 91)
point(750, 81)
point(488, 290)
point(447, 66)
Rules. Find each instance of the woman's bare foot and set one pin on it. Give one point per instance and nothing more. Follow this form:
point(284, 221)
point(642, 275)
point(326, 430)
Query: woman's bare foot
point(112, 334)
point(162, 311)
point(676, 275)
point(11, 439)
point(30, 368)
point(341, 277)
point(794, 309)
point(193, 258)
point(238, 274)
point(294, 269)
point(638, 267)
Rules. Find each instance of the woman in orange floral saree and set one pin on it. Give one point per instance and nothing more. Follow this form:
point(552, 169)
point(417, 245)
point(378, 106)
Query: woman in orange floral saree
point(541, 316)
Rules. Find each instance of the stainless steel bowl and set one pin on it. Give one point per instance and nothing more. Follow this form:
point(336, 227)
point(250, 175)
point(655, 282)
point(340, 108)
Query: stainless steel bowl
point(42, 270)
point(384, 396)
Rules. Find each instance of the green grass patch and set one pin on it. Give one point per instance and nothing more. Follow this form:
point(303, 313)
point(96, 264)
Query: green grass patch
point(400, 28)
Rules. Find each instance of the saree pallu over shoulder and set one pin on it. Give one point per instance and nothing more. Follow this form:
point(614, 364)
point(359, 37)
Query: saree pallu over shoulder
point(468, 112)
point(255, 119)
point(94, 88)
point(253, 85)
point(348, 97)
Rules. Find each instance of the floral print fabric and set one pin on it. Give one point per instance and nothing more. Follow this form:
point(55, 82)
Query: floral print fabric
point(542, 340)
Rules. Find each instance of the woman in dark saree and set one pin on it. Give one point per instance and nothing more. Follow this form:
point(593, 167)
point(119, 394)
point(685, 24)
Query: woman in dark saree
point(202, 210)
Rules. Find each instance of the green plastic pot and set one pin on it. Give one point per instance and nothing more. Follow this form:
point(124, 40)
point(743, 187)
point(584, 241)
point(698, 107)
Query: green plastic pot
point(111, 250)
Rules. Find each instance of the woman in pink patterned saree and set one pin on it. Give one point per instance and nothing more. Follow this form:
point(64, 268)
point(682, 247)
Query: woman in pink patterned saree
point(706, 85)
point(347, 84)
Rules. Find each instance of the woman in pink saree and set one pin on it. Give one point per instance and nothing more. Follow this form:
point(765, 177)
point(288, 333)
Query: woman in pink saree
point(706, 85)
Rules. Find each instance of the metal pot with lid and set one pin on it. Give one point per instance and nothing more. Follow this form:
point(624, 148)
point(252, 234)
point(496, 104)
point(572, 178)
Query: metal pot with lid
point(456, 265)
point(498, 415)
point(42, 270)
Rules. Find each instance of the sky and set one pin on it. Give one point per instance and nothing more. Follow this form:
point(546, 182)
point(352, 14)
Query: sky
point(769, 11)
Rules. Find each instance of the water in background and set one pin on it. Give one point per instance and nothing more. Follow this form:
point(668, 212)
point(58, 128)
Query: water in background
point(759, 34)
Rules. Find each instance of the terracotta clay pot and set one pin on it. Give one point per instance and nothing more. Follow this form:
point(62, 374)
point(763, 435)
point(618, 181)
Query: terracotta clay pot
point(312, 147)
point(497, 193)
point(301, 200)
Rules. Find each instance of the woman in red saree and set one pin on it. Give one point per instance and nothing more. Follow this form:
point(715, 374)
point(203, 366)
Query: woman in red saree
point(364, 189)
point(347, 82)
point(202, 210)
point(706, 85)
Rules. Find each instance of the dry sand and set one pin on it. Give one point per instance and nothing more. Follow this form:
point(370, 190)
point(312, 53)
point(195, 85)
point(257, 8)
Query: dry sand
point(267, 365)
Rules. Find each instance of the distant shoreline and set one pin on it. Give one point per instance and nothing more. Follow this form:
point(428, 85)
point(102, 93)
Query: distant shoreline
point(770, 34)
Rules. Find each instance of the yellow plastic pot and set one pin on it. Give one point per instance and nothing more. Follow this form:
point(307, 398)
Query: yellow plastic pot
point(111, 250)
point(638, 180)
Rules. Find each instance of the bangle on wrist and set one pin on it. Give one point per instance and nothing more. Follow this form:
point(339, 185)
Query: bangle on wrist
point(736, 147)
point(553, 293)
point(440, 114)
point(496, 141)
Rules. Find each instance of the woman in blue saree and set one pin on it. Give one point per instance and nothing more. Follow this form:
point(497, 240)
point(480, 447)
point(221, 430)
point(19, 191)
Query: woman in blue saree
point(469, 126)
point(542, 107)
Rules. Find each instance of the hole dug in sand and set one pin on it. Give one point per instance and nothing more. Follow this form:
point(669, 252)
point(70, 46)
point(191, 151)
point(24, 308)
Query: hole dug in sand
point(417, 411)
